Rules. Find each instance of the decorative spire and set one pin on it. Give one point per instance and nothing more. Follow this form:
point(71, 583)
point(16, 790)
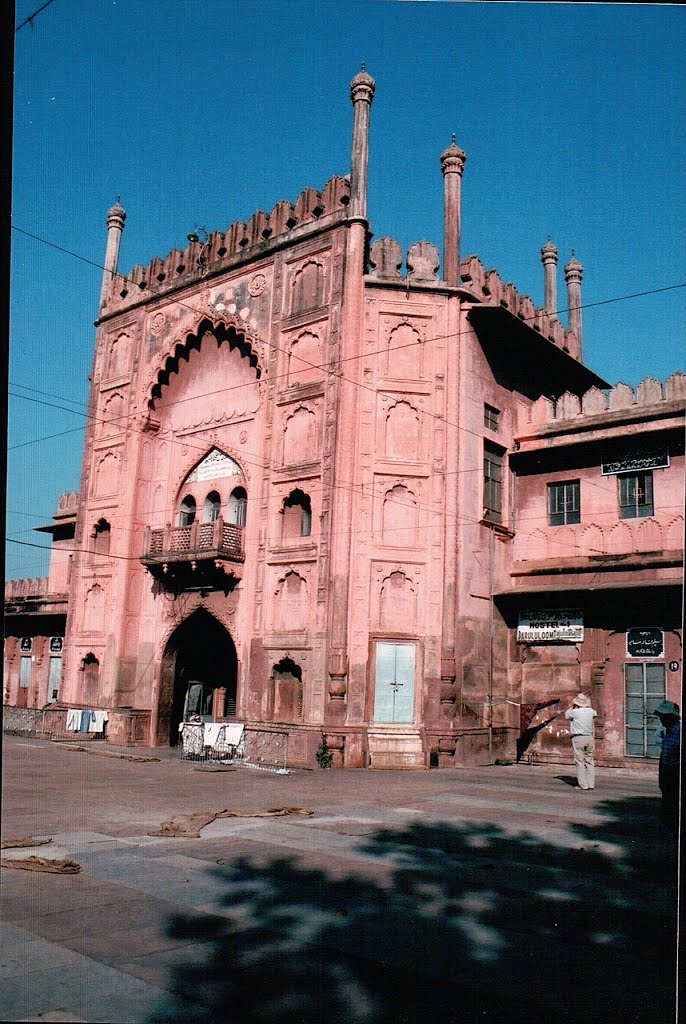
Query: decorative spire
point(573, 273)
point(574, 269)
point(361, 93)
point(452, 165)
point(549, 253)
point(116, 215)
point(362, 86)
point(453, 158)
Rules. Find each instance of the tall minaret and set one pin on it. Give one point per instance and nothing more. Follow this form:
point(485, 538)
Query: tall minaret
point(549, 259)
point(115, 225)
point(361, 93)
point(573, 274)
point(452, 165)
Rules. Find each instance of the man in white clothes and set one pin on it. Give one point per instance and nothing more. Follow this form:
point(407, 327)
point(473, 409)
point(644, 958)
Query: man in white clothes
point(581, 716)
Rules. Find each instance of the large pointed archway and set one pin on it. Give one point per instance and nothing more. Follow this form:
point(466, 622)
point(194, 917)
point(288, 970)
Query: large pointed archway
point(199, 675)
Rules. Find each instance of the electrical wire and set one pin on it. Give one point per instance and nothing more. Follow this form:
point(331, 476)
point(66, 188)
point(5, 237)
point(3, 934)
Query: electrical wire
point(324, 367)
point(31, 17)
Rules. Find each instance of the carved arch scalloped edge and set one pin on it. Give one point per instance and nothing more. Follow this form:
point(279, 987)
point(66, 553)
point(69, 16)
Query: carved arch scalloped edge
point(192, 336)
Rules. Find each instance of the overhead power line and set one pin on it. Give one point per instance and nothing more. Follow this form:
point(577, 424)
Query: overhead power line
point(32, 17)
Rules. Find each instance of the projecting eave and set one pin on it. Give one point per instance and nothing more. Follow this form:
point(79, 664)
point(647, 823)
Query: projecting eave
point(531, 357)
point(60, 531)
point(512, 593)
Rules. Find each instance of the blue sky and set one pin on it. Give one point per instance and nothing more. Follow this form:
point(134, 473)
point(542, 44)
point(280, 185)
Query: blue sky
point(199, 112)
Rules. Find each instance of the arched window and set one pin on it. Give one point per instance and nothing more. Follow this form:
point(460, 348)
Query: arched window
point(297, 515)
point(101, 537)
point(187, 511)
point(288, 691)
point(212, 507)
point(238, 506)
point(90, 666)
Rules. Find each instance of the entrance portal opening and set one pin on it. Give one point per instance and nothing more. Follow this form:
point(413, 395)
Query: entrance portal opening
point(199, 675)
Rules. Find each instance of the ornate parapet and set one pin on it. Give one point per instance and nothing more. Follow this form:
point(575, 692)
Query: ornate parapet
point(487, 286)
point(650, 392)
point(67, 504)
point(222, 250)
point(386, 258)
point(26, 588)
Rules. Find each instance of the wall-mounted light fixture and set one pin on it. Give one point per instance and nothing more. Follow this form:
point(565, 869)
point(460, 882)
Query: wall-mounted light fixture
point(195, 237)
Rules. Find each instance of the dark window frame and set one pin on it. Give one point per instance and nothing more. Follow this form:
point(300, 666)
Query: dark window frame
point(564, 502)
point(491, 417)
point(493, 474)
point(636, 495)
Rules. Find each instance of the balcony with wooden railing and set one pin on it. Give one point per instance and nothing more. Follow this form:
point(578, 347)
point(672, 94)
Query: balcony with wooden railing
point(196, 547)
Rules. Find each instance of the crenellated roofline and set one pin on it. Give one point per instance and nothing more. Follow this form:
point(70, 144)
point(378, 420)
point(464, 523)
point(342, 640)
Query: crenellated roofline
point(260, 235)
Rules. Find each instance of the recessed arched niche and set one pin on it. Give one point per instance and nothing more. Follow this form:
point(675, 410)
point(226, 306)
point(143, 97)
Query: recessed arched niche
point(402, 432)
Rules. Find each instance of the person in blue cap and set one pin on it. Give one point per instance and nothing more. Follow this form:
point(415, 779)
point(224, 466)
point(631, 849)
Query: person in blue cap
point(670, 756)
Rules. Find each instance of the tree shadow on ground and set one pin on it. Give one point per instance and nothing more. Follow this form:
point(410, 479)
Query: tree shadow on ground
point(471, 923)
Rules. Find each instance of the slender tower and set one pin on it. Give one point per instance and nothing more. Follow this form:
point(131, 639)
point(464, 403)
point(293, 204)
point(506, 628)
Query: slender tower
point(452, 165)
point(549, 260)
point(342, 505)
point(361, 93)
point(573, 273)
point(115, 225)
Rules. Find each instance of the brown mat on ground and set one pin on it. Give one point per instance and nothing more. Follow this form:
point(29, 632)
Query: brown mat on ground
point(188, 826)
point(54, 867)
point(13, 844)
point(113, 753)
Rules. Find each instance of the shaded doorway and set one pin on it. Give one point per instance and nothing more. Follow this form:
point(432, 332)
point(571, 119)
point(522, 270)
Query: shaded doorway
point(198, 676)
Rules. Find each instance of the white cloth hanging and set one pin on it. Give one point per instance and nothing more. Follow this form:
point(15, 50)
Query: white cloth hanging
point(97, 722)
point(74, 719)
point(234, 733)
point(213, 731)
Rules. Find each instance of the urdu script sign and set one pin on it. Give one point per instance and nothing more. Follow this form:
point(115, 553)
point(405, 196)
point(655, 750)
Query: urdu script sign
point(545, 624)
point(636, 462)
point(648, 642)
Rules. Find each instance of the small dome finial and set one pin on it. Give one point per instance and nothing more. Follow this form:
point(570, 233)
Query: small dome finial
point(116, 214)
point(453, 158)
point(362, 86)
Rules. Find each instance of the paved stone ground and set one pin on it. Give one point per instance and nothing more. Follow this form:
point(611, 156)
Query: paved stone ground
point(480, 894)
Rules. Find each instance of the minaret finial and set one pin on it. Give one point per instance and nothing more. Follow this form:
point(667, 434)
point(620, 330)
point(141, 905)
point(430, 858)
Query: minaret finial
point(364, 66)
point(453, 138)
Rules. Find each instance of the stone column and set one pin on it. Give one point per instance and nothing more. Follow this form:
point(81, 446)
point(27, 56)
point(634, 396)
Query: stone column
point(115, 225)
point(452, 165)
point(573, 273)
point(549, 260)
point(361, 93)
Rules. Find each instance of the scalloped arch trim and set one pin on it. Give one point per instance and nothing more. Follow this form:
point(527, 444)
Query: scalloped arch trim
point(224, 329)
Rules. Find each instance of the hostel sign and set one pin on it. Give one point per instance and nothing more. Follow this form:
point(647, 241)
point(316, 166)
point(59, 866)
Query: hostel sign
point(546, 624)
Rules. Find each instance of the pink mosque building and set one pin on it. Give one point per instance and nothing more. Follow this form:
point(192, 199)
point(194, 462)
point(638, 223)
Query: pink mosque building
point(331, 493)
